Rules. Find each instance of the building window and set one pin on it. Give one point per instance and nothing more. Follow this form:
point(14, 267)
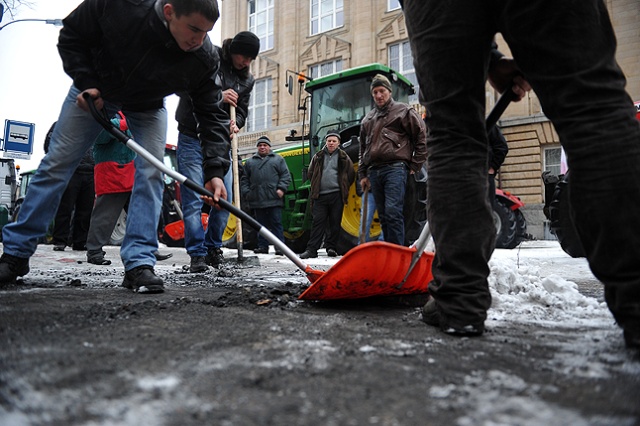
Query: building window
point(260, 106)
point(401, 60)
point(325, 68)
point(393, 5)
point(326, 15)
point(552, 158)
point(261, 22)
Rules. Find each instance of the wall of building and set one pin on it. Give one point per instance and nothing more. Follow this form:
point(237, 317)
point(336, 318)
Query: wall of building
point(367, 32)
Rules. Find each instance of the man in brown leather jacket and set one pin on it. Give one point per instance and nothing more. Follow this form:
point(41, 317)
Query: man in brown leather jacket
point(392, 143)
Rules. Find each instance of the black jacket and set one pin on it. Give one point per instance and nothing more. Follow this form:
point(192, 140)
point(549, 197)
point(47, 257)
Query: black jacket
point(123, 48)
point(227, 78)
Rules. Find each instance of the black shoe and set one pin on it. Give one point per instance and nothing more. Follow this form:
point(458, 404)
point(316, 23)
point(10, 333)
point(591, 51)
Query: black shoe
point(308, 254)
point(98, 259)
point(261, 250)
point(78, 247)
point(160, 257)
point(59, 247)
point(279, 252)
point(431, 316)
point(198, 264)
point(632, 334)
point(143, 280)
point(331, 252)
point(214, 257)
point(12, 267)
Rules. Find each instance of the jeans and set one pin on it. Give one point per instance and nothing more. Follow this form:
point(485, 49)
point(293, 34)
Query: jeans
point(371, 211)
point(74, 133)
point(327, 215)
point(388, 184)
point(566, 50)
point(270, 218)
point(196, 241)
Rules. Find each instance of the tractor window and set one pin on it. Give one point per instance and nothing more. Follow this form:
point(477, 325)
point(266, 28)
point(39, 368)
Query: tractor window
point(344, 104)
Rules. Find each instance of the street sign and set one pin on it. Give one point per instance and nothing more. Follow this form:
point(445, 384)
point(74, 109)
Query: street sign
point(18, 139)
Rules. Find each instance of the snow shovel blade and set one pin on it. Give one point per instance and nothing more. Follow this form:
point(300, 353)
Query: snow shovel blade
point(104, 121)
point(373, 269)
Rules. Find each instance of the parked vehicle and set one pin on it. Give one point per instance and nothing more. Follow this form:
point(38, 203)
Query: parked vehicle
point(558, 210)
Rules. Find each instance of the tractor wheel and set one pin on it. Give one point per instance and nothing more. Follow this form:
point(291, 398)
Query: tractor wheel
point(117, 235)
point(561, 222)
point(297, 241)
point(521, 226)
point(505, 221)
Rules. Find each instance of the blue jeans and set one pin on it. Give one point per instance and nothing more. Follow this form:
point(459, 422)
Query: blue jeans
point(566, 50)
point(270, 218)
point(371, 211)
point(388, 184)
point(74, 133)
point(196, 241)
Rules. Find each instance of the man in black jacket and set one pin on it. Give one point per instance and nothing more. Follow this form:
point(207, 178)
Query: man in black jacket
point(127, 56)
point(237, 82)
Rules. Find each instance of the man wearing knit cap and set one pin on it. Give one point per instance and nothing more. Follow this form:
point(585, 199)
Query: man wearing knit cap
point(392, 145)
point(265, 180)
point(331, 174)
point(236, 81)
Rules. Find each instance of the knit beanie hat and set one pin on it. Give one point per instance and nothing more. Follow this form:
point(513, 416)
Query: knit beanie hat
point(245, 43)
point(263, 139)
point(380, 80)
point(333, 133)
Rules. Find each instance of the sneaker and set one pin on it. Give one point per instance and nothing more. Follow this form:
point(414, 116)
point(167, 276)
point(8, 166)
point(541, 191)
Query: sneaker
point(198, 264)
point(308, 254)
point(261, 250)
point(143, 280)
point(12, 267)
point(331, 252)
point(431, 316)
point(59, 247)
point(214, 257)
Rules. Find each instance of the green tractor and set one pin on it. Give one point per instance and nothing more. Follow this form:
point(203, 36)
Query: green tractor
point(337, 102)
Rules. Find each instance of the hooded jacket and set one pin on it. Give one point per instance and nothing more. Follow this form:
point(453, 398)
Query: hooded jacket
point(227, 78)
point(124, 49)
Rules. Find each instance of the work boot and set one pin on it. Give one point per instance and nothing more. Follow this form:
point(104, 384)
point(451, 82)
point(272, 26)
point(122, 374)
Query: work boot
point(160, 257)
point(198, 264)
point(214, 257)
point(12, 267)
point(432, 317)
point(261, 250)
point(59, 247)
point(632, 334)
point(308, 254)
point(97, 258)
point(143, 280)
point(332, 252)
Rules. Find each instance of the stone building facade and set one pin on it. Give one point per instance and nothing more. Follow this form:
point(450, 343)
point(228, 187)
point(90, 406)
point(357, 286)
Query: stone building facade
point(323, 36)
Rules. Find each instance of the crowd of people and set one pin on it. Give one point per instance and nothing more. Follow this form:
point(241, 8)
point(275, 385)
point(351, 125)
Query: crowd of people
point(564, 51)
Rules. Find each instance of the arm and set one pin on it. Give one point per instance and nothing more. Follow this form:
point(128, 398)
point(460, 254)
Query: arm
point(242, 109)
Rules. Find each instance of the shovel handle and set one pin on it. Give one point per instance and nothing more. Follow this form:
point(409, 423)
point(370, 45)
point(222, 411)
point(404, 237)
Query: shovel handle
point(503, 102)
point(102, 119)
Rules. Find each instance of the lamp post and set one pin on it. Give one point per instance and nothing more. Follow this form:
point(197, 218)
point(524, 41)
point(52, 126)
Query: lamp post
point(56, 22)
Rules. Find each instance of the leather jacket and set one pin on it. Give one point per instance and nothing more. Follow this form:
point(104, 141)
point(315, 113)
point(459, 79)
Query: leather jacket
point(391, 134)
point(124, 49)
point(346, 174)
point(227, 78)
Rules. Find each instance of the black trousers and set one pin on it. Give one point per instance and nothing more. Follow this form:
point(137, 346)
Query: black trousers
point(327, 216)
point(75, 211)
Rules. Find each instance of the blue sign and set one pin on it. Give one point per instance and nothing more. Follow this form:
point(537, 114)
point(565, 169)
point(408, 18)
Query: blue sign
point(18, 139)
